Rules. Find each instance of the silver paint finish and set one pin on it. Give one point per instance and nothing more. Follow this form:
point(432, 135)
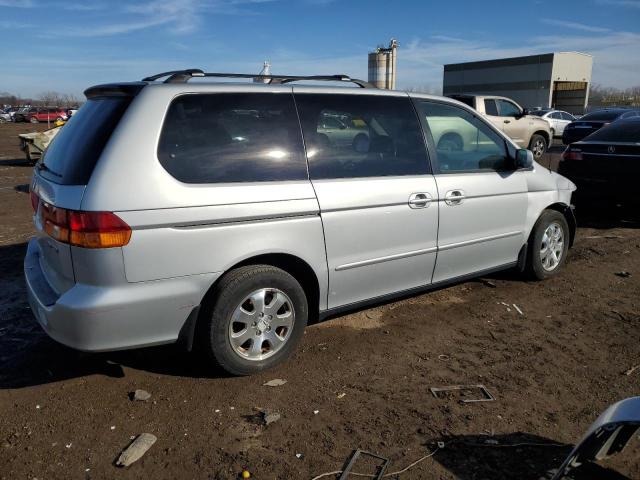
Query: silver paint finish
point(485, 228)
point(362, 238)
point(372, 233)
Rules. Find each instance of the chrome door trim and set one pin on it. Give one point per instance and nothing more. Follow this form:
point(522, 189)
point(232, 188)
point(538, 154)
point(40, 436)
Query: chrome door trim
point(388, 258)
point(479, 240)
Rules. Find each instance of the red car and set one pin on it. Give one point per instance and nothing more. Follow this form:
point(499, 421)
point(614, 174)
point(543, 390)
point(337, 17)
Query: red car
point(44, 114)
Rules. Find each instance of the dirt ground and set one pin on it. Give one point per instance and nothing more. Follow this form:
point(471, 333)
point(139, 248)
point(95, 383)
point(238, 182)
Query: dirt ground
point(357, 381)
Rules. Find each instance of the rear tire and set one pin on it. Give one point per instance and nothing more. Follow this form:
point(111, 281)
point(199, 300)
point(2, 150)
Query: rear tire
point(254, 319)
point(538, 145)
point(548, 245)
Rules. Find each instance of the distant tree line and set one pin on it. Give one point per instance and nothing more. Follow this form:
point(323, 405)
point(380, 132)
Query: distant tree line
point(600, 96)
point(45, 99)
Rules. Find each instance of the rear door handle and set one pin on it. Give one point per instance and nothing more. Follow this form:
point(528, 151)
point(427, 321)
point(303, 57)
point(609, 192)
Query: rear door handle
point(454, 197)
point(419, 200)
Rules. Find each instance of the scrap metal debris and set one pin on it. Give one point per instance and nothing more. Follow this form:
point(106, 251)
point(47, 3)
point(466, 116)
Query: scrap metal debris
point(380, 469)
point(518, 309)
point(269, 417)
point(623, 274)
point(488, 283)
point(136, 449)
point(33, 144)
point(140, 395)
point(631, 370)
point(440, 446)
point(275, 383)
point(485, 394)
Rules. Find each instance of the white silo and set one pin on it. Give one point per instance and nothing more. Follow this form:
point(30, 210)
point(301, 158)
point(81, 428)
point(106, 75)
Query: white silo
point(266, 70)
point(382, 66)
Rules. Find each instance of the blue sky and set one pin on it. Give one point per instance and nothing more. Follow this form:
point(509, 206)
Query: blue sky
point(69, 45)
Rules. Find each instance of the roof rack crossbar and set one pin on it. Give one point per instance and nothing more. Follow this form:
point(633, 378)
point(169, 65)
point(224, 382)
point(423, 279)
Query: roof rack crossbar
point(183, 76)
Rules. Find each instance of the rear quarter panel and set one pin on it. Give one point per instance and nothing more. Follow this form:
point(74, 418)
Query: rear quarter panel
point(181, 229)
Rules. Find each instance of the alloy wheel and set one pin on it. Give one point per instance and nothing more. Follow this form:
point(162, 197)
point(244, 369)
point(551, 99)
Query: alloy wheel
point(552, 246)
point(261, 324)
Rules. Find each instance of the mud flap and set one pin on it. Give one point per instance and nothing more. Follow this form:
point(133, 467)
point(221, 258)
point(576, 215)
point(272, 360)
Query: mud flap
point(188, 330)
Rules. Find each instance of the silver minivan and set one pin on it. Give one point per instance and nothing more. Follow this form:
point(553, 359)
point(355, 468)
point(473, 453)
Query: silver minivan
point(229, 215)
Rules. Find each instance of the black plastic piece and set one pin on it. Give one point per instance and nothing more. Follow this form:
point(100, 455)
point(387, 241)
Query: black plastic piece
point(187, 334)
point(130, 89)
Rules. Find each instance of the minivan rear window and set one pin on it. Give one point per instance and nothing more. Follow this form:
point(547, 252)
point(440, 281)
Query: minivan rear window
point(74, 151)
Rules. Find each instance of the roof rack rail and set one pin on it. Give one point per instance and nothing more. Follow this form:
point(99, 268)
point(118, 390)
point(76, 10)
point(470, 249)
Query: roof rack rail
point(183, 76)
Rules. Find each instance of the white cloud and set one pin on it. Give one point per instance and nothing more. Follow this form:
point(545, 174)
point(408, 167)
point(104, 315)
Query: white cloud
point(574, 25)
point(17, 3)
point(620, 3)
point(178, 16)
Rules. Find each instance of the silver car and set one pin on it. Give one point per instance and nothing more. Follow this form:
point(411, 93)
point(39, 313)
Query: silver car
point(557, 120)
point(218, 214)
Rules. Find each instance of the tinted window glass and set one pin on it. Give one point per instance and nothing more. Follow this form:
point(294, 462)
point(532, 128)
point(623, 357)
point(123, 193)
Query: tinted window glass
point(556, 116)
point(464, 99)
point(604, 115)
point(74, 151)
point(490, 107)
point(232, 137)
point(567, 116)
point(463, 141)
point(508, 109)
point(375, 136)
point(620, 131)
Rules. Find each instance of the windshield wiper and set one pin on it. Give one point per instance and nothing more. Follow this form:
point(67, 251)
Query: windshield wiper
point(42, 167)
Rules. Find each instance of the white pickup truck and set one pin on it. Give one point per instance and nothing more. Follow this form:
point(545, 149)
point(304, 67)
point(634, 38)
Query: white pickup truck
point(526, 130)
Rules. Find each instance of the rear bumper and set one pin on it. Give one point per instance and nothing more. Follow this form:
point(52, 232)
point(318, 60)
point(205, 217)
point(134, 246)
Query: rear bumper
point(114, 317)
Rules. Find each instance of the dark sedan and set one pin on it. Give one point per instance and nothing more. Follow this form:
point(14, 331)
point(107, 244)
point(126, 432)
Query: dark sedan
point(594, 121)
point(605, 166)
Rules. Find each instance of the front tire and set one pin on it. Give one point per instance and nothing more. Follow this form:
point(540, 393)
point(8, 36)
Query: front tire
point(34, 120)
point(254, 319)
point(538, 145)
point(548, 245)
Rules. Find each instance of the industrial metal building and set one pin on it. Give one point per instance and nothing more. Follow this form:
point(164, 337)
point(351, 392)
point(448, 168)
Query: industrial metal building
point(557, 80)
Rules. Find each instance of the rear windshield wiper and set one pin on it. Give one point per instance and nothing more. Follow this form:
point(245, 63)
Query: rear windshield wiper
point(42, 167)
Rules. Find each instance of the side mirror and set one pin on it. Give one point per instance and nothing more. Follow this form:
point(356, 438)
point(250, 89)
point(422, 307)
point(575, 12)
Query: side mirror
point(524, 159)
point(525, 111)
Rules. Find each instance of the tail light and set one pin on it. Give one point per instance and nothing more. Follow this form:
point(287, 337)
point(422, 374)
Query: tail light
point(570, 154)
point(34, 201)
point(83, 229)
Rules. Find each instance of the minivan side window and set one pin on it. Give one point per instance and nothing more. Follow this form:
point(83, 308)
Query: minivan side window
point(355, 136)
point(463, 142)
point(232, 137)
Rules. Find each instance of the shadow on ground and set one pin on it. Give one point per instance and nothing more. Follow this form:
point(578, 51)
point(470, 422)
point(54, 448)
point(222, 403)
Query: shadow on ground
point(29, 357)
point(473, 457)
point(15, 162)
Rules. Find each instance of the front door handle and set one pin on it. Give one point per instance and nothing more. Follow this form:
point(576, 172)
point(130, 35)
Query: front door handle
point(419, 200)
point(507, 121)
point(454, 197)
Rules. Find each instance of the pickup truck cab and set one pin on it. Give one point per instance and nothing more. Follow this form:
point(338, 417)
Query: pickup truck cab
point(526, 130)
